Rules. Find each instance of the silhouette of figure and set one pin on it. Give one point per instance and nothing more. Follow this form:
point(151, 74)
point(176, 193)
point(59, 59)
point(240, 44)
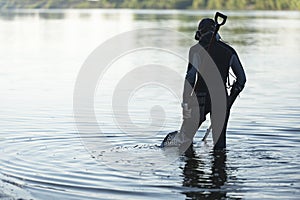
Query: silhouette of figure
point(195, 111)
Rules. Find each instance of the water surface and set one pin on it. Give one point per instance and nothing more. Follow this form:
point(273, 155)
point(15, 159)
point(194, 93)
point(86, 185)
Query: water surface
point(44, 157)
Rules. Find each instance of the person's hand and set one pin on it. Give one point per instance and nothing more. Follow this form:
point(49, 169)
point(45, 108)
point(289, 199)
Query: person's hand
point(186, 111)
point(234, 92)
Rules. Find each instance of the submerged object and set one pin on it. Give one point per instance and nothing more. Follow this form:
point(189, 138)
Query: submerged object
point(169, 140)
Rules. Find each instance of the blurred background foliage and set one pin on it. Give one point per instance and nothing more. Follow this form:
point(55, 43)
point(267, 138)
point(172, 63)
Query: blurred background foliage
point(155, 4)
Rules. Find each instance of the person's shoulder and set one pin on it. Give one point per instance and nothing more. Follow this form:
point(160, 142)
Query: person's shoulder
point(196, 48)
point(226, 46)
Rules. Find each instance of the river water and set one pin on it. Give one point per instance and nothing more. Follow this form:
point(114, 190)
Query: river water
point(44, 155)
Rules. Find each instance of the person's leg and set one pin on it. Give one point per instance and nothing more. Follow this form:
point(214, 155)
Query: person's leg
point(190, 126)
point(221, 143)
point(184, 137)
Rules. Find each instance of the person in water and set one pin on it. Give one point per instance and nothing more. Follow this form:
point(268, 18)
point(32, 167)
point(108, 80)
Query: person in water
point(224, 57)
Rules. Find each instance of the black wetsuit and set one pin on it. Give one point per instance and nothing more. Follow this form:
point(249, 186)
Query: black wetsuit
point(224, 57)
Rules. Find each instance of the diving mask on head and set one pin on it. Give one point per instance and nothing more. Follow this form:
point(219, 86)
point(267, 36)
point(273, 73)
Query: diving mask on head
point(205, 27)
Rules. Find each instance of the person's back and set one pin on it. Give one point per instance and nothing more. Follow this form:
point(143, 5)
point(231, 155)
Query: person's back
point(222, 55)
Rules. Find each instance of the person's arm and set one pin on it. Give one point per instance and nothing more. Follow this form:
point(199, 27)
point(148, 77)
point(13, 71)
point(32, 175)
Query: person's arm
point(190, 79)
point(191, 74)
point(239, 84)
point(189, 82)
point(238, 70)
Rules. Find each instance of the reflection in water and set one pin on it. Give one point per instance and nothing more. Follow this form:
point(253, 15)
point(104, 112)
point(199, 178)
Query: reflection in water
point(22, 14)
point(205, 184)
point(51, 15)
point(10, 15)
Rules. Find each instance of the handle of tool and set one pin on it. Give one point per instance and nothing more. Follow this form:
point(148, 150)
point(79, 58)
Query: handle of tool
point(220, 15)
point(218, 25)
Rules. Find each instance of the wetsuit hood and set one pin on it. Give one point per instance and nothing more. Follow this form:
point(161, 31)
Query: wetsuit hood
point(205, 27)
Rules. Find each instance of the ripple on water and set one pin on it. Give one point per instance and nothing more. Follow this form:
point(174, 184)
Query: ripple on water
point(42, 157)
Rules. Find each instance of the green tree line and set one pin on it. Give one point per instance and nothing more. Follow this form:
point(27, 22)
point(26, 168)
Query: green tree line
point(155, 4)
